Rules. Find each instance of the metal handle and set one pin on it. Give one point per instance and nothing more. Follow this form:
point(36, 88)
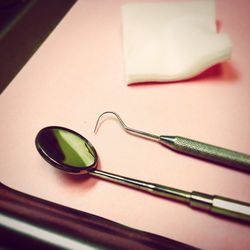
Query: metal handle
point(216, 204)
point(221, 205)
point(208, 152)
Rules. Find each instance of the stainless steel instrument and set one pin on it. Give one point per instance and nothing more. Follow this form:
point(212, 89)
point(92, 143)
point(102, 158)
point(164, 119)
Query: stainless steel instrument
point(191, 147)
point(69, 151)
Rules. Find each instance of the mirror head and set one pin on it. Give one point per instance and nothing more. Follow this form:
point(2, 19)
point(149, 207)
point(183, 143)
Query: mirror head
point(66, 150)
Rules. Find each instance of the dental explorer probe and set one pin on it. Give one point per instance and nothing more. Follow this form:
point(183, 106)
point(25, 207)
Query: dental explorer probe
point(191, 147)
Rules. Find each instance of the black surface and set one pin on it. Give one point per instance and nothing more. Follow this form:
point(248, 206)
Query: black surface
point(24, 25)
point(83, 228)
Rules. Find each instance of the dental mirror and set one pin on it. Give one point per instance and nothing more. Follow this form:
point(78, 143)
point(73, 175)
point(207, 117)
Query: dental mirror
point(66, 150)
point(69, 151)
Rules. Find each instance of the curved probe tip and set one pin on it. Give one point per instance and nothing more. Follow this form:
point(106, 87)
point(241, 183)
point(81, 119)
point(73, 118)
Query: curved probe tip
point(109, 112)
point(127, 129)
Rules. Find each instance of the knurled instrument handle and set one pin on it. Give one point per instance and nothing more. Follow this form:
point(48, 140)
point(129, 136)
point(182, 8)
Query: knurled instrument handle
point(207, 152)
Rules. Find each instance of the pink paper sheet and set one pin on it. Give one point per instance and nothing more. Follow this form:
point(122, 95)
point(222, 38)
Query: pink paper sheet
point(78, 73)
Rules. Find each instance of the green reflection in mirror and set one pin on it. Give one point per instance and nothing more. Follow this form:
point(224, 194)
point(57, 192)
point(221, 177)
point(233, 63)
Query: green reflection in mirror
point(75, 149)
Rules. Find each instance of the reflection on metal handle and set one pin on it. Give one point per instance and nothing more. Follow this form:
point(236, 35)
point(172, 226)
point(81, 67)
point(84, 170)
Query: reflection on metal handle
point(208, 152)
point(221, 205)
point(216, 204)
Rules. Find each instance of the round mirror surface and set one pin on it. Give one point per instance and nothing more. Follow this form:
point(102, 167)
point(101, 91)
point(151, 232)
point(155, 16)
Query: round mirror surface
point(66, 149)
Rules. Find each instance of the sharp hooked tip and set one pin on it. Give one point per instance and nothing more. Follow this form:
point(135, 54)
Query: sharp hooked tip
point(95, 129)
point(125, 127)
point(108, 112)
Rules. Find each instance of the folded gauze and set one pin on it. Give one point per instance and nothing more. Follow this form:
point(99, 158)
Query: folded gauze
point(171, 41)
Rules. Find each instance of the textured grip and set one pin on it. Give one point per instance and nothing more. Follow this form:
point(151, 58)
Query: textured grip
point(208, 152)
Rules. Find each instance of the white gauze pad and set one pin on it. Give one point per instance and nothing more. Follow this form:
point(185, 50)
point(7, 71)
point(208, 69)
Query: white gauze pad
point(171, 41)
